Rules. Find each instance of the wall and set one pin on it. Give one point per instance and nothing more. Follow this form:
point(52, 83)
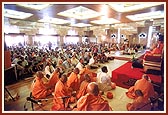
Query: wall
point(100, 33)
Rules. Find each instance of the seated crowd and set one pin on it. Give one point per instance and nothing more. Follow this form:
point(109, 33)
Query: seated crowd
point(67, 74)
point(32, 59)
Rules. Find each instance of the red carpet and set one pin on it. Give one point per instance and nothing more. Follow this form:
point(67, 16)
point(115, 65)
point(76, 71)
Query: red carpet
point(125, 72)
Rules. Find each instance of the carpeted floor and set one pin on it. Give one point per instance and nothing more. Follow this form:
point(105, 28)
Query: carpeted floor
point(126, 73)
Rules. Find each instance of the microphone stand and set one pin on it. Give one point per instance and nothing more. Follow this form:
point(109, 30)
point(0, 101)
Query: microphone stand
point(64, 98)
point(9, 94)
point(38, 102)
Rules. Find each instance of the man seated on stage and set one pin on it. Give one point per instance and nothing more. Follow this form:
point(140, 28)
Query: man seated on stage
point(87, 70)
point(158, 49)
point(102, 58)
point(83, 86)
point(92, 101)
point(139, 103)
point(39, 88)
point(62, 95)
point(104, 80)
point(145, 85)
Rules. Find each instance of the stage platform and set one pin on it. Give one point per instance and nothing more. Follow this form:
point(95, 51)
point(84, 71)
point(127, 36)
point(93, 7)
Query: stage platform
point(121, 56)
point(127, 72)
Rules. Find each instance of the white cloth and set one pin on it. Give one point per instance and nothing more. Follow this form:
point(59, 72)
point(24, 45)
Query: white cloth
point(74, 61)
point(103, 78)
point(80, 66)
point(91, 61)
point(49, 70)
point(104, 81)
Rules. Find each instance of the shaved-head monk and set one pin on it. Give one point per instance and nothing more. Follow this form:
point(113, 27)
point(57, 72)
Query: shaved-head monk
point(92, 101)
point(139, 103)
point(87, 70)
point(61, 94)
point(39, 88)
point(83, 87)
point(144, 85)
point(74, 80)
point(54, 78)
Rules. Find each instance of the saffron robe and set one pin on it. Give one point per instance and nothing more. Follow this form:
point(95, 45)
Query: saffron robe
point(82, 89)
point(89, 72)
point(90, 102)
point(145, 86)
point(39, 89)
point(53, 80)
point(61, 90)
point(73, 81)
point(139, 104)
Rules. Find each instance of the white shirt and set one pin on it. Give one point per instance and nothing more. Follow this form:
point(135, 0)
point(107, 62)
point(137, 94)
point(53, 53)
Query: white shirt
point(74, 61)
point(91, 61)
point(103, 78)
point(79, 66)
point(49, 70)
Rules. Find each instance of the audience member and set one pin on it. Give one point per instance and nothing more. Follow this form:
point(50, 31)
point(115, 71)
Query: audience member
point(104, 80)
point(39, 88)
point(144, 84)
point(61, 94)
point(83, 86)
point(74, 80)
point(92, 101)
point(139, 103)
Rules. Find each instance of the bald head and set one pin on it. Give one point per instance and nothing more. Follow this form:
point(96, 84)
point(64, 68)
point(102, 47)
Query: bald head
point(76, 70)
point(57, 69)
point(145, 76)
point(87, 77)
point(39, 74)
point(92, 88)
point(63, 78)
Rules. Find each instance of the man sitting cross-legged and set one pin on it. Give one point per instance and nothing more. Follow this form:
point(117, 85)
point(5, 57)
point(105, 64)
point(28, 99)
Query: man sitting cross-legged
point(92, 101)
point(62, 95)
point(83, 87)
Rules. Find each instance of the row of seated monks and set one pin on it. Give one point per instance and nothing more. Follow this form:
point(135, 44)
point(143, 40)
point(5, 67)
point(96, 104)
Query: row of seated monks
point(85, 88)
point(69, 89)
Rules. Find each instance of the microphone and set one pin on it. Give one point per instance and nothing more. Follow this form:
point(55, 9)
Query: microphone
point(64, 97)
point(34, 101)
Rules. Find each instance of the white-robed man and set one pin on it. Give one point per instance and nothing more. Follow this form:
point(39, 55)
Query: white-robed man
point(104, 80)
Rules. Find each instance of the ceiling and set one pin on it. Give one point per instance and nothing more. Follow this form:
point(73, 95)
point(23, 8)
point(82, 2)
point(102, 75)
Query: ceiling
point(128, 15)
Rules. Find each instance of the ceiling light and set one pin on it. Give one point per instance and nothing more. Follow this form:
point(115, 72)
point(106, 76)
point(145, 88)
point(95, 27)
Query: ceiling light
point(34, 6)
point(80, 13)
point(145, 16)
point(81, 25)
point(54, 20)
point(106, 21)
point(127, 7)
point(16, 14)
